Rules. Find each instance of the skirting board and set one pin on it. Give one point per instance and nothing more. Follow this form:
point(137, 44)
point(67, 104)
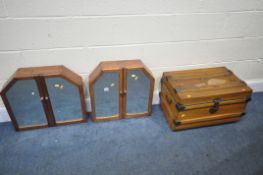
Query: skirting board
point(256, 85)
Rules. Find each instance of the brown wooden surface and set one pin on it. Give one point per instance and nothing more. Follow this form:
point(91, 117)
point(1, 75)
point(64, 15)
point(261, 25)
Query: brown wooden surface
point(42, 89)
point(196, 90)
point(45, 71)
point(204, 85)
point(186, 125)
point(39, 74)
point(202, 109)
point(29, 127)
point(123, 92)
point(122, 67)
point(116, 65)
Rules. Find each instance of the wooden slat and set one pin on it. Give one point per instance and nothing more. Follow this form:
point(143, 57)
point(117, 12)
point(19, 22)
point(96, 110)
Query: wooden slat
point(204, 85)
point(204, 104)
point(231, 117)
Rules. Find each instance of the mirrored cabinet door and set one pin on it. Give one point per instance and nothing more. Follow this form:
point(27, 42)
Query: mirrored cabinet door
point(25, 102)
point(138, 92)
point(120, 89)
point(106, 95)
point(40, 97)
point(65, 99)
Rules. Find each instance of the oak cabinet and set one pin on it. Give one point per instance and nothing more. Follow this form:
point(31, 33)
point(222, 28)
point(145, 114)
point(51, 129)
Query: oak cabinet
point(120, 89)
point(44, 96)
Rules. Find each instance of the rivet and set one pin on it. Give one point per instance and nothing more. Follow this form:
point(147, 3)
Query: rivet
point(182, 115)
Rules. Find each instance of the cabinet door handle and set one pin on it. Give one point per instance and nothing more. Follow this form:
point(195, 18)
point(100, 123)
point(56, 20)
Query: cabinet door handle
point(46, 98)
point(41, 98)
point(123, 92)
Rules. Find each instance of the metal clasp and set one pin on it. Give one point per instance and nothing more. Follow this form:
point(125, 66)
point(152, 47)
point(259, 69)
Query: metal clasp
point(215, 106)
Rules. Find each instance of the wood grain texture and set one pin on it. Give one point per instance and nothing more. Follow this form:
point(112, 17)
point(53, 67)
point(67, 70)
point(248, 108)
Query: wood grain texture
point(170, 119)
point(207, 96)
point(204, 85)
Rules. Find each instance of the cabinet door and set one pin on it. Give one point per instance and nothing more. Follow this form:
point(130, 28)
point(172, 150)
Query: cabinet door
point(25, 101)
point(106, 91)
point(65, 100)
point(138, 87)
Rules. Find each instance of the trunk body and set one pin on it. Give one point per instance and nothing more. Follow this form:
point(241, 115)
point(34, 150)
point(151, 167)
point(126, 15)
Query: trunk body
point(202, 97)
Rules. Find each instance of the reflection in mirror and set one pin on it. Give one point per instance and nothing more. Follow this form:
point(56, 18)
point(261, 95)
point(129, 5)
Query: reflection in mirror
point(138, 91)
point(65, 99)
point(25, 102)
point(106, 94)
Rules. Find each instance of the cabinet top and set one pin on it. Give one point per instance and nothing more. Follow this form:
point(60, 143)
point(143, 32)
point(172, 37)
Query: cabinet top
point(110, 66)
point(44, 71)
point(116, 65)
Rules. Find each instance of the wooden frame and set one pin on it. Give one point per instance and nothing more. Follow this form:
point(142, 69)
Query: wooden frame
point(38, 74)
point(121, 67)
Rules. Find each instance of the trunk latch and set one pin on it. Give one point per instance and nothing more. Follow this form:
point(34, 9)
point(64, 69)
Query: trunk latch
point(215, 106)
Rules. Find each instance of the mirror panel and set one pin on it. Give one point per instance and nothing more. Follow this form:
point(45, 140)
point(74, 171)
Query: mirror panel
point(106, 94)
point(25, 102)
point(65, 99)
point(138, 91)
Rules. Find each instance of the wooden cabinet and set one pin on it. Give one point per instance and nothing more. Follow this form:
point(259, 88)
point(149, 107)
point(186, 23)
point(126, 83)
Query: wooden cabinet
point(120, 89)
point(44, 96)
